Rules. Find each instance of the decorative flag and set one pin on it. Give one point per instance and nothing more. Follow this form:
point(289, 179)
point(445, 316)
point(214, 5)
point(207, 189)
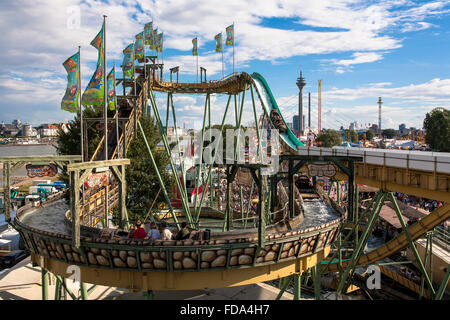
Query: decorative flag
point(194, 47)
point(128, 61)
point(111, 89)
point(70, 100)
point(218, 39)
point(93, 95)
point(230, 35)
point(159, 39)
point(148, 33)
point(154, 44)
point(139, 46)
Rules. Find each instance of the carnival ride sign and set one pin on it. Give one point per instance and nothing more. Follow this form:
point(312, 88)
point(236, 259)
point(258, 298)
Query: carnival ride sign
point(321, 170)
point(49, 170)
point(98, 179)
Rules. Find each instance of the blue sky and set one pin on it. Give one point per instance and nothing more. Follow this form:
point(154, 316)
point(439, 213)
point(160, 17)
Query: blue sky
point(359, 49)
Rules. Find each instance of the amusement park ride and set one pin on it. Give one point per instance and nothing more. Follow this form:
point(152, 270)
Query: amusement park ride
point(276, 248)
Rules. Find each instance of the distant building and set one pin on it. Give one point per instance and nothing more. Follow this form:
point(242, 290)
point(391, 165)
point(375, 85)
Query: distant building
point(374, 128)
point(64, 127)
point(48, 130)
point(290, 126)
point(402, 129)
point(12, 129)
point(28, 131)
point(354, 126)
point(295, 123)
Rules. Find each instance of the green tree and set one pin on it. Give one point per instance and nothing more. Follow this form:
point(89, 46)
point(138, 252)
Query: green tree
point(329, 139)
point(142, 180)
point(437, 129)
point(369, 135)
point(389, 133)
point(353, 136)
point(69, 143)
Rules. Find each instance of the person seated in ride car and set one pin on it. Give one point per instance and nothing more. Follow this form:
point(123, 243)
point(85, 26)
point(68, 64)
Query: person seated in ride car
point(153, 233)
point(183, 233)
point(139, 233)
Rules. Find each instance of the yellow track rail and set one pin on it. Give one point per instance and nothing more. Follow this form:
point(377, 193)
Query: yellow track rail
point(417, 230)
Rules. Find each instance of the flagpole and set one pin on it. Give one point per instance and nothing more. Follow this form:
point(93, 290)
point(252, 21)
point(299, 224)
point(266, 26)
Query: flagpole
point(134, 70)
point(196, 44)
point(79, 103)
point(233, 47)
point(222, 61)
point(117, 113)
point(105, 102)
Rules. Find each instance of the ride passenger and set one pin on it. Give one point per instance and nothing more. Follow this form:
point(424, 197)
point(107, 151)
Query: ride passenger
point(153, 233)
point(166, 234)
point(139, 233)
point(183, 233)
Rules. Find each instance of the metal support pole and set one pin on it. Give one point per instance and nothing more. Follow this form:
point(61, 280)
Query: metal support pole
point(361, 244)
point(297, 287)
point(238, 126)
point(84, 293)
point(200, 159)
point(242, 205)
point(215, 154)
point(441, 290)
point(422, 281)
point(411, 243)
point(316, 274)
point(291, 188)
point(356, 210)
point(284, 283)
point(261, 209)
point(249, 204)
point(44, 277)
point(353, 229)
point(351, 191)
point(259, 153)
point(182, 192)
point(161, 182)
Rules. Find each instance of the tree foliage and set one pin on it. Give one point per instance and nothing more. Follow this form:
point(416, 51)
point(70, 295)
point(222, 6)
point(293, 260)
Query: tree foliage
point(369, 135)
point(353, 136)
point(142, 180)
point(389, 133)
point(437, 128)
point(330, 138)
point(69, 143)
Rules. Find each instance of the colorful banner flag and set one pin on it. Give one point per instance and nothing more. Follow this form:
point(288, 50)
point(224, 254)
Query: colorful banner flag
point(128, 61)
point(139, 46)
point(94, 93)
point(194, 47)
point(148, 33)
point(154, 44)
point(230, 35)
point(159, 46)
point(70, 100)
point(111, 89)
point(218, 39)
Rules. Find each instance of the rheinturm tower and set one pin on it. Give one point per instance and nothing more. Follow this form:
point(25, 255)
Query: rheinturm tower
point(300, 84)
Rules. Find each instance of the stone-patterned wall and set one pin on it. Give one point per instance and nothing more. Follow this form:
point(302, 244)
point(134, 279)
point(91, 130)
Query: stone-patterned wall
point(185, 255)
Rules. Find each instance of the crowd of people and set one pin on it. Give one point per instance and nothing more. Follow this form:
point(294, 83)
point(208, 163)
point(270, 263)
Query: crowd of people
point(423, 203)
point(221, 193)
point(157, 232)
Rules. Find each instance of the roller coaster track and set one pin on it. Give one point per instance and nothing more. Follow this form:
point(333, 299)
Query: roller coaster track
point(233, 85)
point(400, 242)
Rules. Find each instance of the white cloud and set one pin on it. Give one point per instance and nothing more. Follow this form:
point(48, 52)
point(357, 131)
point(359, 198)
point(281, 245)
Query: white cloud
point(36, 40)
point(360, 57)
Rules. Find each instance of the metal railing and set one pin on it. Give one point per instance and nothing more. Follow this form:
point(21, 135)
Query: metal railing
point(438, 162)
